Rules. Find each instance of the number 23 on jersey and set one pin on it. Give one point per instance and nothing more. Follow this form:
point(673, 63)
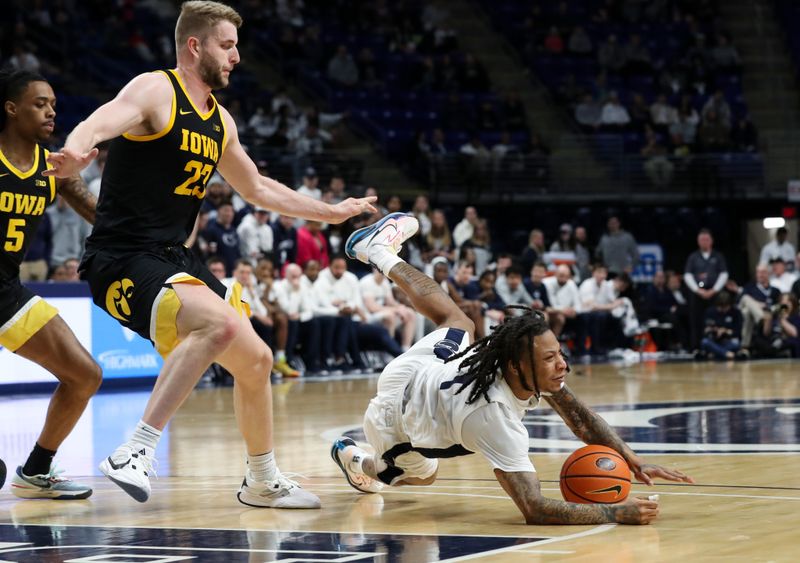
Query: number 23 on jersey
point(195, 185)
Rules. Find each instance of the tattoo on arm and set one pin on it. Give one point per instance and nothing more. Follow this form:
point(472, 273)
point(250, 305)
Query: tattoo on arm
point(524, 490)
point(585, 423)
point(422, 285)
point(78, 196)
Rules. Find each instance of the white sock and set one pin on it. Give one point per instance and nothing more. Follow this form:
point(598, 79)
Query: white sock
point(262, 467)
point(383, 259)
point(280, 355)
point(146, 435)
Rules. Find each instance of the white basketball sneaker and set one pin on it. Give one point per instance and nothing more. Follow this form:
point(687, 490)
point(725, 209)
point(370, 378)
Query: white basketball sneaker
point(390, 232)
point(345, 452)
point(130, 467)
point(281, 492)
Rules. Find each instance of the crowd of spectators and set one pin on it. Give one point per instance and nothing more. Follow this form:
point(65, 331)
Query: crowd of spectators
point(319, 312)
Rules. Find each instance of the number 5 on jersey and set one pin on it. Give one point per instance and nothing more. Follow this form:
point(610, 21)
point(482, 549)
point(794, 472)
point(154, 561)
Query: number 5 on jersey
point(194, 186)
point(15, 236)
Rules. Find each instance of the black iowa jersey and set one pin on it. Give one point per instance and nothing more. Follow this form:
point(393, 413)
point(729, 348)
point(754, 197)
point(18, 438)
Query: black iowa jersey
point(24, 195)
point(153, 185)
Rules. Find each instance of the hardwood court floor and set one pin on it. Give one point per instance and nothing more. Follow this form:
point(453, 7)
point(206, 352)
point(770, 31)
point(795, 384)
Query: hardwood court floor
point(734, 427)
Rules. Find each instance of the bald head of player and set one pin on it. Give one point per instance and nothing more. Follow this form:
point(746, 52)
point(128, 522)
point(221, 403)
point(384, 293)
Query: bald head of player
point(205, 40)
point(29, 106)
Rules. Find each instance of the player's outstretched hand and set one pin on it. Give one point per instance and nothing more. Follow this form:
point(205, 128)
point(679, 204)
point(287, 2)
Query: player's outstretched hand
point(66, 163)
point(637, 510)
point(646, 472)
point(351, 207)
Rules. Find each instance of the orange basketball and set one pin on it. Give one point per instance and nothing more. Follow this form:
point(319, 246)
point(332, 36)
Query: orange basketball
point(595, 474)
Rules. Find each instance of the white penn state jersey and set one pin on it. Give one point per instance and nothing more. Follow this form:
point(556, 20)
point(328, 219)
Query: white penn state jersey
point(435, 412)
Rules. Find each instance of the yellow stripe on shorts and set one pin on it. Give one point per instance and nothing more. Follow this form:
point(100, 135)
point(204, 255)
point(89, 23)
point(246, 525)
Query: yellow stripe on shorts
point(26, 322)
point(163, 323)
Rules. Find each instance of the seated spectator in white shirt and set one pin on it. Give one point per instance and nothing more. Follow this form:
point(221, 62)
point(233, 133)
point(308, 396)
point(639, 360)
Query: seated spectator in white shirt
point(382, 308)
point(614, 114)
point(337, 297)
point(565, 300)
point(511, 289)
point(779, 248)
point(255, 235)
point(294, 296)
point(779, 277)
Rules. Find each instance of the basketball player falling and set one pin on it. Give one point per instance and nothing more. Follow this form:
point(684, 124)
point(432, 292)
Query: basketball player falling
point(169, 136)
point(448, 396)
point(29, 326)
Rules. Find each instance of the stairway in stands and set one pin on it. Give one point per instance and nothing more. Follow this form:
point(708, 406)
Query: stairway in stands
point(573, 165)
point(770, 86)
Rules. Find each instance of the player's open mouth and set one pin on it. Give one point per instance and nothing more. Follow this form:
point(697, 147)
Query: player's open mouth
point(49, 125)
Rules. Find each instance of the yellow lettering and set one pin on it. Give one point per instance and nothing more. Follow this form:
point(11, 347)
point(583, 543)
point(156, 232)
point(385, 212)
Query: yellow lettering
point(194, 139)
point(195, 185)
point(41, 203)
point(6, 202)
point(25, 203)
point(207, 146)
point(185, 143)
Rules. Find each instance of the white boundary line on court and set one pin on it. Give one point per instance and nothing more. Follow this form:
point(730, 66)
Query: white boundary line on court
point(424, 492)
point(303, 531)
point(535, 544)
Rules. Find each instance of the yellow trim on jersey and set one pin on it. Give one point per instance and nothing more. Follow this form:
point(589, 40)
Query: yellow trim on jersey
point(16, 171)
point(29, 320)
point(224, 131)
point(203, 116)
point(50, 179)
point(165, 130)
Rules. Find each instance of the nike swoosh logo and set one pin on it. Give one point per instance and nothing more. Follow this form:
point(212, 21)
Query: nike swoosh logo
point(615, 488)
point(116, 467)
point(180, 111)
point(6, 174)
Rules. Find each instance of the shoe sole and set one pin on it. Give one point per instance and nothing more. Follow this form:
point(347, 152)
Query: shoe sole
point(25, 493)
point(338, 462)
point(361, 234)
point(240, 494)
point(135, 492)
point(247, 495)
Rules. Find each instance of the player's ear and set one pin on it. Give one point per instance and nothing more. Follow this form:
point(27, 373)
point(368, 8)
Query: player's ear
point(193, 43)
point(10, 108)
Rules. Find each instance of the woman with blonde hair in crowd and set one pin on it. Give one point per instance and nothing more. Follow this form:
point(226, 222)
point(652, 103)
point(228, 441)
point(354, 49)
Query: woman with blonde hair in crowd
point(439, 241)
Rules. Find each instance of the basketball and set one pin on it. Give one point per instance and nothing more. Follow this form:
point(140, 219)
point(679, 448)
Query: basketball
point(595, 474)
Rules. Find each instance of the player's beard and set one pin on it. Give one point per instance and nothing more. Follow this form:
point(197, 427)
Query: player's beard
point(211, 73)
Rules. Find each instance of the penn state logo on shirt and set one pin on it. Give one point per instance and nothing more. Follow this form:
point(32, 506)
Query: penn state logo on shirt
point(697, 427)
point(448, 346)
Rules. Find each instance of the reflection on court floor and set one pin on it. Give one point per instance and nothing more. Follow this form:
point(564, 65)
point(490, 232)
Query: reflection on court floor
point(87, 544)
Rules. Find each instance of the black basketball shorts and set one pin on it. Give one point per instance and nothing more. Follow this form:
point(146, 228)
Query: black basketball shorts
point(136, 289)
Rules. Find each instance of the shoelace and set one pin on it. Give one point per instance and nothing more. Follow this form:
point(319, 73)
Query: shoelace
point(282, 481)
point(53, 475)
point(149, 463)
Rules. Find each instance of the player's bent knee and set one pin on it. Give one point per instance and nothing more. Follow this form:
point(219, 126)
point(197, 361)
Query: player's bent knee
point(223, 331)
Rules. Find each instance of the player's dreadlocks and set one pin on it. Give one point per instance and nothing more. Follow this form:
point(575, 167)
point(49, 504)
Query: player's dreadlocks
point(505, 343)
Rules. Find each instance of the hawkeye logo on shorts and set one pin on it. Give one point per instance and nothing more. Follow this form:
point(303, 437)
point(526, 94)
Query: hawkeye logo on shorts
point(117, 297)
